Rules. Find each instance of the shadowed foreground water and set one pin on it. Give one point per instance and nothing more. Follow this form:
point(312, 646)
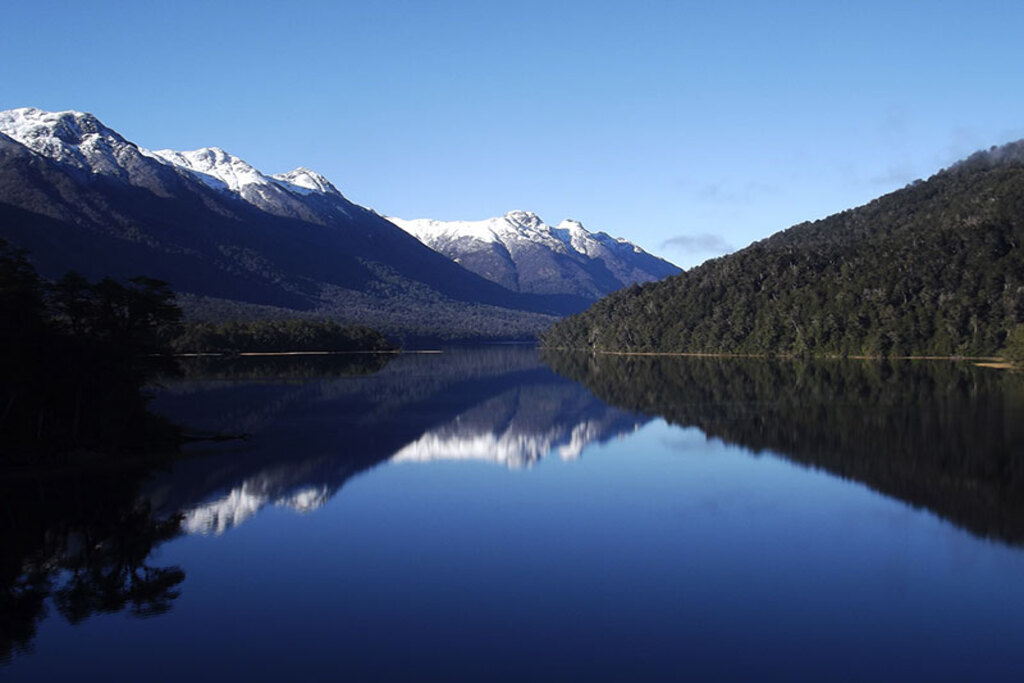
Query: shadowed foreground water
point(474, 515)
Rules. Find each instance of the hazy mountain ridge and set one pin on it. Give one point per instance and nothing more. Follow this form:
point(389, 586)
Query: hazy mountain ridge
point(933, 269)
point(523, 253)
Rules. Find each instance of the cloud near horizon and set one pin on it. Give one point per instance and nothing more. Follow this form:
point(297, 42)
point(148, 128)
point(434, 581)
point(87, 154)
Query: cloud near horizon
point(702, 242)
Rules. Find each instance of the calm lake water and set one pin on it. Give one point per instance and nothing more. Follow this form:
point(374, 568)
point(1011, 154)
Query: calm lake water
point(477, 515)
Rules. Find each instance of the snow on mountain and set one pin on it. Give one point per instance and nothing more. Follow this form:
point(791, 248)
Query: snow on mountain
point(215, 167)
point(80, 140)
point(515, 229)
point(305, 181)
point(225, 171)
point(69, 137)
point(561, 269)
point(520, 251)
point(284, 194)
point(517, 250)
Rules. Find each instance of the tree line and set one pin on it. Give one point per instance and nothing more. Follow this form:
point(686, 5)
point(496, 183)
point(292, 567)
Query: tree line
point(276, 336)
point(73, 357)
point(943, 435)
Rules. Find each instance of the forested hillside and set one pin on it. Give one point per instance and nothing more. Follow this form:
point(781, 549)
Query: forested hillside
point(934, 268)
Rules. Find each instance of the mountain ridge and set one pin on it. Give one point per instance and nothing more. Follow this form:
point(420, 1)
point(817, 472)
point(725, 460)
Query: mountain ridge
point(79, 196)
point(523, 253)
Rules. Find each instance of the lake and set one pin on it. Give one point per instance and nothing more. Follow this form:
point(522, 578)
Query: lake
point(488, 514)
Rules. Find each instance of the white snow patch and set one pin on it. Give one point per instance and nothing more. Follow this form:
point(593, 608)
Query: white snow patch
point(70, 137)
point(515, 228)
point(304, 181)
point(217, 516)
point(213, 163)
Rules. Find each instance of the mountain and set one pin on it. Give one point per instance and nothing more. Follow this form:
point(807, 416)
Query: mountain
point(933, 269)
point(235, 242)
point(521, 252)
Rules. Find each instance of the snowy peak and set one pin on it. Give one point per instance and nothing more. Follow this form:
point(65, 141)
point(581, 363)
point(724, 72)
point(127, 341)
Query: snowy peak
point(520, 251)
point(525, 220)
point(80, 140)
point(70, 137)
point(431, 232)
point(46, 130)
point(30, 126)
point(305, 181)
point(570, 235)
point(510, 230)
point(285, 194)
point(223, 170)
point(215, 167)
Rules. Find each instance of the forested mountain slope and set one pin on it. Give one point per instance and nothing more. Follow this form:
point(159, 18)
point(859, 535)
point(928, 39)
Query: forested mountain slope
point(934, 268)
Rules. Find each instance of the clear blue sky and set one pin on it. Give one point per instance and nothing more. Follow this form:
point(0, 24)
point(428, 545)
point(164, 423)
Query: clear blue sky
point(684, 126)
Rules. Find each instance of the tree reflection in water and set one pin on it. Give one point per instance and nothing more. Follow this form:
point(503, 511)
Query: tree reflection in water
point(81, 543)
point(943, 435)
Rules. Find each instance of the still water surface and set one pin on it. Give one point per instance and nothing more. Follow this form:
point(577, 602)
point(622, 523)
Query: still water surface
point(475, 516)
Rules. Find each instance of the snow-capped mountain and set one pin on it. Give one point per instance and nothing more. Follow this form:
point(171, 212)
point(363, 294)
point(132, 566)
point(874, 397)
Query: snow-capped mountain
point(71, 138)
point(284, 194)
point(80, 196)
point(523, 253)
point(80, 142)
point(78, 139)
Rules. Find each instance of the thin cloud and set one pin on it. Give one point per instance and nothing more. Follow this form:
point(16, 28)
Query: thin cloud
point(704, 243)
point(729, 193)
point(894, 127)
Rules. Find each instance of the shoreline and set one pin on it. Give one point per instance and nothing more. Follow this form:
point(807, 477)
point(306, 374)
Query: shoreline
point(991, 361)
point(218, 354)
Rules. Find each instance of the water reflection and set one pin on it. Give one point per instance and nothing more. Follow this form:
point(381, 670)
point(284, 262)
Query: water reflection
point(941, 435)
point(521, 426)
point(311, 431)
point(79, 544)
point(610, 557)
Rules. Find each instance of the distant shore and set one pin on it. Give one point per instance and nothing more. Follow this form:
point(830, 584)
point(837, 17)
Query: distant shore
point(984, 361)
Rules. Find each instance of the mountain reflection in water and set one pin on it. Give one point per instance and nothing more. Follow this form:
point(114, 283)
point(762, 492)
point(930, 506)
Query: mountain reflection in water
point(943, 435)
point(311, 431)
